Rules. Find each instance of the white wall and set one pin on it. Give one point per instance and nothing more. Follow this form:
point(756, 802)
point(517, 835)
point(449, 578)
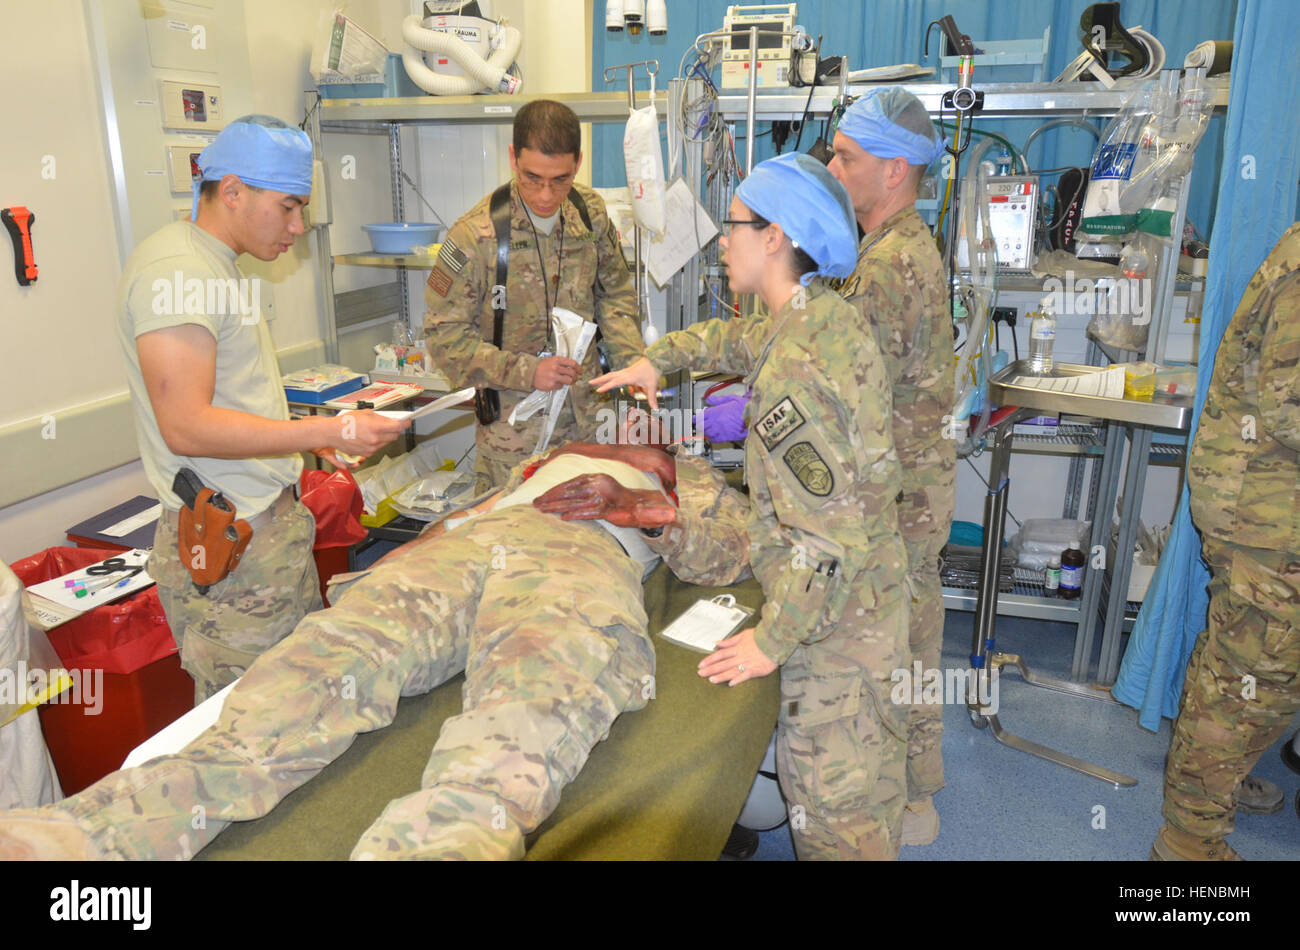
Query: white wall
point(58, 346)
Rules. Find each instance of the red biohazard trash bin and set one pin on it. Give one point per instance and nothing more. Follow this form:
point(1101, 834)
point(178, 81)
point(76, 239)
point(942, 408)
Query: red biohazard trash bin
point(128, 676)
point(335, 500)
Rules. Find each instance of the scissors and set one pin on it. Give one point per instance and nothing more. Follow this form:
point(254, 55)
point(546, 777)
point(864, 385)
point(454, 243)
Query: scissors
point(114, 565)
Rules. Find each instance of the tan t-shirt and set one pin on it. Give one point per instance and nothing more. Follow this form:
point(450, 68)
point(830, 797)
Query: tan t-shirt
point(182, 274)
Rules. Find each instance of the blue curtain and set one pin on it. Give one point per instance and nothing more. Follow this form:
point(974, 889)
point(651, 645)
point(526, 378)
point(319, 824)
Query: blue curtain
point(1257, 202)
point(881, 33)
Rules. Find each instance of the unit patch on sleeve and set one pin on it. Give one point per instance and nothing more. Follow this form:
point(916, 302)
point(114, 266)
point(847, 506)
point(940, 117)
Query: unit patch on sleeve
point(452, 257)
point(440, 281)
point(810, 469)
point(779, 423)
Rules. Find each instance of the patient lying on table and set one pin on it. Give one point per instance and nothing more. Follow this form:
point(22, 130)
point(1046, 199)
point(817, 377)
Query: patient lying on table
point(544, 616)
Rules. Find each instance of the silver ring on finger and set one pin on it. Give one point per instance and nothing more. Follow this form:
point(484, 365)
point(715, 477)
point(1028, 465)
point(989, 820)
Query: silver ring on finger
point(740, 668)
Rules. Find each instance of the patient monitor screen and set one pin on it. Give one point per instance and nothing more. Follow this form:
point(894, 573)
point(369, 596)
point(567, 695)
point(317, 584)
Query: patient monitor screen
point(740, 35)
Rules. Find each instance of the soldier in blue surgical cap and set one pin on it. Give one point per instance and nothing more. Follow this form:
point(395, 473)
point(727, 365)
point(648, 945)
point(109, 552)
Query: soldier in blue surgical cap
point(884, 144)
point(823, 528)
point(207, 396)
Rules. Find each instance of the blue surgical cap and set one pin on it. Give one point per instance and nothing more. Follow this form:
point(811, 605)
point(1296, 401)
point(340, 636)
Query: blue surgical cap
point(798, 193)
point(892, 123)
point(263, 151)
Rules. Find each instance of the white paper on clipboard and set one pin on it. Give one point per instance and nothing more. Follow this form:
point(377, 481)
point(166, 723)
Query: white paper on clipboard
point(707, 622)
point(442, 402)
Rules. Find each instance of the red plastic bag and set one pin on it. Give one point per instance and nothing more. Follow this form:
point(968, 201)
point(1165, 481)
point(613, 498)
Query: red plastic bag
point(335, 499)
point(121, 637)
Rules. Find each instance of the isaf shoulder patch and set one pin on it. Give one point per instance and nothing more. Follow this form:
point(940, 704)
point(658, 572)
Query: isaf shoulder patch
point(452, 257)
point(779, 423)
point(809, 468)
point(440, 280)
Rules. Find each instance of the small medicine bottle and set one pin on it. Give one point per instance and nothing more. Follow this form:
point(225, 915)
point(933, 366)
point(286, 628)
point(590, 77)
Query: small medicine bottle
point(1072, 561)
point(1052, 578)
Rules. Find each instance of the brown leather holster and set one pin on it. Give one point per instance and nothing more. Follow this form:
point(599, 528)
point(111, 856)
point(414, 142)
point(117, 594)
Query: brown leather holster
point(211, 539)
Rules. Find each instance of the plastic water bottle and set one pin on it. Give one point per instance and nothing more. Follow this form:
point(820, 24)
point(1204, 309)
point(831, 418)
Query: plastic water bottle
point(1042, 336)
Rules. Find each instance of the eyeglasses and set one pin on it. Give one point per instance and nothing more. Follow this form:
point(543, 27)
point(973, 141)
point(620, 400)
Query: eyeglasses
point(559, 186)
point(732, 222)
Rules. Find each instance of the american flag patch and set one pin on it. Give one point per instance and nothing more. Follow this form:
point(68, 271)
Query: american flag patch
point(452, 257)
point(440, 281)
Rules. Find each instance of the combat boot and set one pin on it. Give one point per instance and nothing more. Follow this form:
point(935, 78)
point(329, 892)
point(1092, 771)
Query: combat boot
point(1291, 754)
point(1259, 796)
point(1172, 844)
point(920, 822)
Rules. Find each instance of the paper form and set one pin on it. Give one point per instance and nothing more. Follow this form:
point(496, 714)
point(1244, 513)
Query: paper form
point(687, 230)
point(442, 402)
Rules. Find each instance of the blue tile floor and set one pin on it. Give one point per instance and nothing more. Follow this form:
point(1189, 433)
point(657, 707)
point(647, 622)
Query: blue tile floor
point(1003, 804)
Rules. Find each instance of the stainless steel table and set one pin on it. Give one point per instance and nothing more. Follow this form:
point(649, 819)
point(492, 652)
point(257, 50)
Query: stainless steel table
point(1011, 388)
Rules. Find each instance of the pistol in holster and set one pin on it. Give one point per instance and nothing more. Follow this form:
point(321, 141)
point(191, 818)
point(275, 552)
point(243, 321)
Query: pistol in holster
point(212, 537)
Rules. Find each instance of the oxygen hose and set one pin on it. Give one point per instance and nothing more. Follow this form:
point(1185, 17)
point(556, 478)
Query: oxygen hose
point(489, 74)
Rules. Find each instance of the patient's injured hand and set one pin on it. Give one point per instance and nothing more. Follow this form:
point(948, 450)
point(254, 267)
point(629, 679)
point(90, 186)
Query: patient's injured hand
point(642, 457)
point(600, 496)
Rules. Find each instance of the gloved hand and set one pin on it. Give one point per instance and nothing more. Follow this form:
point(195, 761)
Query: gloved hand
point(598, 496)
point(724, 420)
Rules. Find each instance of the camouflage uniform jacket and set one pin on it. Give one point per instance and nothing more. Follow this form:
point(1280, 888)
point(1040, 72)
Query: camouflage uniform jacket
point(708, 543)
point(587, 274)
point(823, 475)
point(1244, 473)
point(899, 287)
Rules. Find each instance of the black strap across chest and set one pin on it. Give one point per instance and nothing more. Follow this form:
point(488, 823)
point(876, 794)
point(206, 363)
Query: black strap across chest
point(499, 209)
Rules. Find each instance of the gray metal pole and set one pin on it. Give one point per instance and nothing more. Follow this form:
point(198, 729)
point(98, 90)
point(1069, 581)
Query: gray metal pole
point(750, 102)
point(399, 210)
point(636, 231)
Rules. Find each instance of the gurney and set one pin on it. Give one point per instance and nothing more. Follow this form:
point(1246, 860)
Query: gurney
point(668, 783)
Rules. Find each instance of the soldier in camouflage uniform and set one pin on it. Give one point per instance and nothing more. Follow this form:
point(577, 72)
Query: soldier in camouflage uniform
point(544, 616)
point(884, 144)
point(553, 263)
point(1243, 680)
point(824, 483)
point(207, 396)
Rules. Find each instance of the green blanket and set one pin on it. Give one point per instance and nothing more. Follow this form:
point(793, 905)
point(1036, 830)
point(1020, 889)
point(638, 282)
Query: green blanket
point(668, 783)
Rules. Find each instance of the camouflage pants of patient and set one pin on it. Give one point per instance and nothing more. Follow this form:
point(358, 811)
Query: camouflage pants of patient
point(544, 617)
